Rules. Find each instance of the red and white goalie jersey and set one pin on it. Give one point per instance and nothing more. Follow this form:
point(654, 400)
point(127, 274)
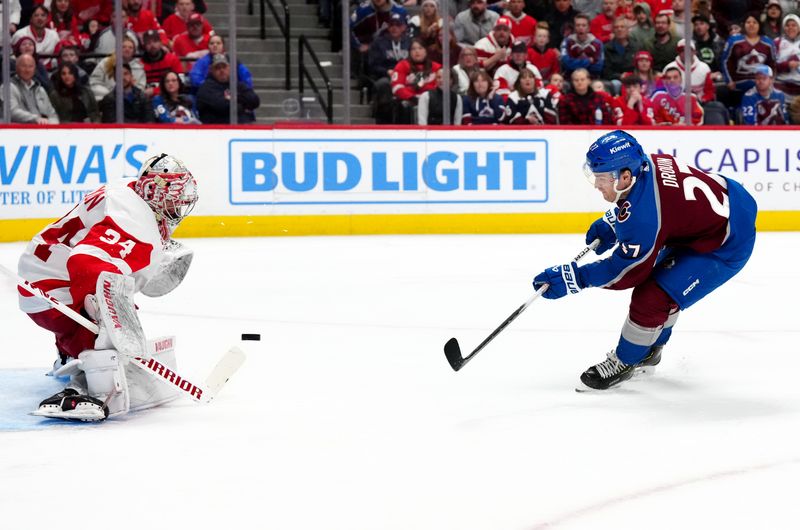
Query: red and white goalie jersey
point(111, 229)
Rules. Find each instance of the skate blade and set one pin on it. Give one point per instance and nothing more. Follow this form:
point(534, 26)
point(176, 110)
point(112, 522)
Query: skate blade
point(72, 415)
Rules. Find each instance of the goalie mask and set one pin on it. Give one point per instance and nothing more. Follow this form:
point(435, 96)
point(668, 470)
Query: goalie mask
point(169, 188)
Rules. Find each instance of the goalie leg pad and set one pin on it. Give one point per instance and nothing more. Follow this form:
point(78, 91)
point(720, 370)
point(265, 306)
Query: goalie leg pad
point(105, 379)
point(120, 327)
point(146, 391)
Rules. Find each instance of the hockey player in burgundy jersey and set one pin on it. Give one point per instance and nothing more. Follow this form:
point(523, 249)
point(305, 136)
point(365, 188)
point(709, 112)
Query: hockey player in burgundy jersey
point(115, 242)
point(680, 234)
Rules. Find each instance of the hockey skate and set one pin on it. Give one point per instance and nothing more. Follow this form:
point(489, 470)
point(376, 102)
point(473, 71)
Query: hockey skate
point(69, 404)
point(648, 364)
point(606, 374)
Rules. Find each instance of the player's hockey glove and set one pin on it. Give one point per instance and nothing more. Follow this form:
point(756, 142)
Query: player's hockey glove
point(563, 280)
point(603, 229)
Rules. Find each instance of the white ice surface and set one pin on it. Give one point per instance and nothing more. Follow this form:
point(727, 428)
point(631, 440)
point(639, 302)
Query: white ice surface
point(346, 415)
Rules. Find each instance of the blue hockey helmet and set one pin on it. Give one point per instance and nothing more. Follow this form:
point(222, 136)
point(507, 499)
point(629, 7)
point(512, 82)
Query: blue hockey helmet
point(612, 153)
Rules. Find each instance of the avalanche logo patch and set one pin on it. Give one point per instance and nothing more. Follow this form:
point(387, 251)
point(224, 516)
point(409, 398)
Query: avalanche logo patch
point(624, 212)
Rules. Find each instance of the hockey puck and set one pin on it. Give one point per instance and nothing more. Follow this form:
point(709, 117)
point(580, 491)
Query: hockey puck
point(251, 336)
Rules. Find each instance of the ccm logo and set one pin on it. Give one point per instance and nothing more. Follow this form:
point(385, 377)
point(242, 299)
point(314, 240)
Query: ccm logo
point(692, 286)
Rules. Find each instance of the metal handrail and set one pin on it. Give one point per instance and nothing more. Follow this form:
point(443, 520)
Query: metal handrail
point(303, 74)
point(284, 26)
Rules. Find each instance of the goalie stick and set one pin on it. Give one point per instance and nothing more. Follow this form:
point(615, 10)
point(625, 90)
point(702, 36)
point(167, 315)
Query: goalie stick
point(453, 351)
point(225, 368)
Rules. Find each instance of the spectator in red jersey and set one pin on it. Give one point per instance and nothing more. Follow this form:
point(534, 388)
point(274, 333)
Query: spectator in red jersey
point(505, 77)
point(164, 8)
point(523, 26)
point(528, 105)
point(581, 105)
point(479, 105)
point(599, 87)
point(555, 87)
point(669, 102)
point(637, 109)
point(46, 39)
point(157, 61)
point(64, 21)
point(175, 24)
point(494, 49)
point(141, 20)
point(544, 57)
point(601, 26)
point(99, 10)
point(410, 78)
point(192, 44)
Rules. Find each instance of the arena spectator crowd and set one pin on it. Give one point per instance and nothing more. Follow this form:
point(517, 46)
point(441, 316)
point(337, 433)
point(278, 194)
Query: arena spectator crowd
point(597, 62)
point(175, 69)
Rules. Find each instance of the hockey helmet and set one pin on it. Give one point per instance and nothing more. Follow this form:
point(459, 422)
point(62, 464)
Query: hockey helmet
point(168, 187)
point(612, 153)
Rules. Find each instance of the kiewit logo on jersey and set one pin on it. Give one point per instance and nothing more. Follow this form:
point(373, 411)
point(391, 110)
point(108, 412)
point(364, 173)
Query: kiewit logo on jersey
point(387, 170)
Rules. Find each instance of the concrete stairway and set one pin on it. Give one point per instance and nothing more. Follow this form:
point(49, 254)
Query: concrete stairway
point(266, 60)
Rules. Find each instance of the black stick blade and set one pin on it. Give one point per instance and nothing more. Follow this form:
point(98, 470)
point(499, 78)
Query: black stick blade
point(453, 353)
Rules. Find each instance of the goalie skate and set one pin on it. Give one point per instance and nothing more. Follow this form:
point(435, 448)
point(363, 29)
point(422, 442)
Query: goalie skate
point(70, 405)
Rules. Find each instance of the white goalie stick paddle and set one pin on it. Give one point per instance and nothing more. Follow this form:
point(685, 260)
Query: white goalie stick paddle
point(453, 351)
point(225, 368)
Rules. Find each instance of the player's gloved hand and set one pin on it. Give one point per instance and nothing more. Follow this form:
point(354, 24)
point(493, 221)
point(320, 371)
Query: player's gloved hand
point(563, 280)
point(603, 229)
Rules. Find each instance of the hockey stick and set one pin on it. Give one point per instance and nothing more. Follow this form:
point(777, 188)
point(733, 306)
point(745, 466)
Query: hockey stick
point(225, 368)
point(452, 350)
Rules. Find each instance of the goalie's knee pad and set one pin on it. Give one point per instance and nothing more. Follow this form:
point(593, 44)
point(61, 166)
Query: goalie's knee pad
point(105, 379)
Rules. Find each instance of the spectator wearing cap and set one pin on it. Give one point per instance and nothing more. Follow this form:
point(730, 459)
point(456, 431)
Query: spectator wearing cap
point(582, 105)
point(664, 45)
point(763, 104)
point(141, 20)
point(193, 43)
point(708, 45)
point(618, 54)
point(649, 80)
point(700, 77)
point(642, 31)
point(427, 24)
point(201, 66)
point(13, 16)
point(475, 23)
point(660, 6)
point(494, 49)
point(523, 26)
point(771, 19)
point(743, 53)
point(46, 39)
point(369, 20)
point(105, 42)
point(29, 102)
point(601, 25)
point(214, 96)
point(26, 45)
point(582, 50)
point(389, 48)
point(787, 78)
point(506, 75)
point(175, 24)
point(135, 106)
point(560, 21)
point(103, 77)
point(157, 61)
point(669, 101)
point(542, 55)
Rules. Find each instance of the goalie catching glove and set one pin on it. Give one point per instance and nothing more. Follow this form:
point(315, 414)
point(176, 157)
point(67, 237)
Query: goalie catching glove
point(561, 280)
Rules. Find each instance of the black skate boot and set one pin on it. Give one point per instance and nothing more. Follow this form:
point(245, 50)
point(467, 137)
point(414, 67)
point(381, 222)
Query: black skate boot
point(653, 357)
point(608, 373)
point(71, 405)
